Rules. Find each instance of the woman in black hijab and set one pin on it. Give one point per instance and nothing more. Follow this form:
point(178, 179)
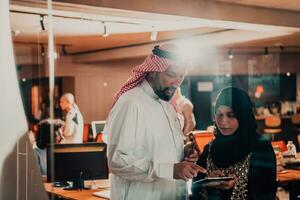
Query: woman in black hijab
point(237, 151)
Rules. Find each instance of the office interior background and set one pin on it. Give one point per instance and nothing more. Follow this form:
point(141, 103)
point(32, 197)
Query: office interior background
point(250, 44)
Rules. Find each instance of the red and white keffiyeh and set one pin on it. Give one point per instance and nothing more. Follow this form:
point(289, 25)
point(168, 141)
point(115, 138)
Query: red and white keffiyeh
point(152, 63)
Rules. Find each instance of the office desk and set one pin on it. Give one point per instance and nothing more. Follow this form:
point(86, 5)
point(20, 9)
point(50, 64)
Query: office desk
point(287, 177)
point(290, 181)
point(290, 175)
point(72, 194)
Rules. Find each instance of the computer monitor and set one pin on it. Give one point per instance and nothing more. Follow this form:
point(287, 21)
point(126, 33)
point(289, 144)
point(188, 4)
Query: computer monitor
point(76, 163)
point(97, 127)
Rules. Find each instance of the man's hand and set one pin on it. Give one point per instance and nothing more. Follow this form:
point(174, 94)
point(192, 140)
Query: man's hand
point(190, 153)
point(192, 157)
point(187, 170)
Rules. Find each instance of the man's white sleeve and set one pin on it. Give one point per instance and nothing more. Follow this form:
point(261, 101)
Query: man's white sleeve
point(69, 126)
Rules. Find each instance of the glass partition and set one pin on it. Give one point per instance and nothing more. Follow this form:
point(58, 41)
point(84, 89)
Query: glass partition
point(30, 36)
point(71, 64)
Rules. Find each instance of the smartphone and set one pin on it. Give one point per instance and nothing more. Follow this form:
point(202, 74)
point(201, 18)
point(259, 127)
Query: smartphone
point(193, 139)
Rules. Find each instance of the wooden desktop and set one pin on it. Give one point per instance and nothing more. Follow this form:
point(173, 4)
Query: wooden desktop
point(78, 194)
point(285, 177)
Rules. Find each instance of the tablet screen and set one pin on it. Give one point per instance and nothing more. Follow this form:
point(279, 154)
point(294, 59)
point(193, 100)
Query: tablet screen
point(213, 180)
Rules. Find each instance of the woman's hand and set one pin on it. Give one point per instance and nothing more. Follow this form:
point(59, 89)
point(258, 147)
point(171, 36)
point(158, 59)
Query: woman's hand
point(226, 185)
point(216, 173)
point(223, 185)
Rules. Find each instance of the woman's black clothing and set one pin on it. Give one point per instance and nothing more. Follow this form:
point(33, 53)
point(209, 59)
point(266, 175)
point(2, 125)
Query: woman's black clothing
point(261, 180)
point(230, 152)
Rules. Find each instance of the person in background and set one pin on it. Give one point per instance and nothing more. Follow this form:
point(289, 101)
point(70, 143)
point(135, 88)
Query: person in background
point(145, 140)
point(72, 131)
point(40, 138)
point(238, 151)
point(184, 109)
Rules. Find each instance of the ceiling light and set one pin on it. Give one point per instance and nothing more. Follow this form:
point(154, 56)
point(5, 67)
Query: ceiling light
point(230, 55)
point(63, 50)
point(288, 73)
point(153, 36)
point(55, 55)
point(281, 47)
point(42, 22)
point(105, 31)
point(42, 50)
point(266, 51)
point(16, 32)
point(257, 95)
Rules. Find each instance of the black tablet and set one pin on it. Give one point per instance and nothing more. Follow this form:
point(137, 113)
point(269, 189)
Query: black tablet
point(213, 180)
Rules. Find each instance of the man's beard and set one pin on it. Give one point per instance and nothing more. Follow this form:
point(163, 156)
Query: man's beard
point(165, 94)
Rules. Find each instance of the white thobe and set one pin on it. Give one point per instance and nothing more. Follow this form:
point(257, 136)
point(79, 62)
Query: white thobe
point(144, 142)
point(73, 128)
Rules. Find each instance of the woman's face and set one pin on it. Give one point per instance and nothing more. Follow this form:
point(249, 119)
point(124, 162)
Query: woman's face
point(226, 120)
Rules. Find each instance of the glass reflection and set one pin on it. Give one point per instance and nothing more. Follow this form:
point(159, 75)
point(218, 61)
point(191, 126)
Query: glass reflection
point(91, 58)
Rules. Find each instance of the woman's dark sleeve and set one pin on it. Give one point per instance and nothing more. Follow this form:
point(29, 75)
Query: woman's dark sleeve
point(201, 162)
point(262, 183)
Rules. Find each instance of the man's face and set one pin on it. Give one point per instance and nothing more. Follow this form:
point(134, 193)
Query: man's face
point(64, 104)
point(165, 83)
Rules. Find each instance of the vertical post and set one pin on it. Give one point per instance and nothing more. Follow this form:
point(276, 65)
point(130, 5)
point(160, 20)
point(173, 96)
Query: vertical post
point(51, 59)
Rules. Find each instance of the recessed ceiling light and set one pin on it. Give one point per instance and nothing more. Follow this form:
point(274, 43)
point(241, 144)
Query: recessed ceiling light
point(16, 32)
point(105, 30)
point(153, 36)
point(230, 55)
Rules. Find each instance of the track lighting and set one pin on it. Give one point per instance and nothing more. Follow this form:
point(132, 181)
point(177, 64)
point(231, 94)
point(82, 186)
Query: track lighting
point(105, 31)
point(230, 55)
point(281, 47)
point(42, 51)
point(16, 32)
point(60, 50)
point(266, 51)
point(55, 55)
point(153, 36)
point(42, 22)
point(63, 50)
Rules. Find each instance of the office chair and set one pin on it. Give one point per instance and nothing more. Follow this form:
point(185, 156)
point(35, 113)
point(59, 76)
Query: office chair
point(272, 125)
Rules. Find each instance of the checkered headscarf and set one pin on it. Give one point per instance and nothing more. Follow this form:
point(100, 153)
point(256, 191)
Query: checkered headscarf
point(152, 63)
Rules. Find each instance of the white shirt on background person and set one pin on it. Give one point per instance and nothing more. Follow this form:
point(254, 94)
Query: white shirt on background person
point(73, 128)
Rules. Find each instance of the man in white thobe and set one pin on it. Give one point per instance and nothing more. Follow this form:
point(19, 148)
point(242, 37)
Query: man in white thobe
point(145, 141)
point(72, 131)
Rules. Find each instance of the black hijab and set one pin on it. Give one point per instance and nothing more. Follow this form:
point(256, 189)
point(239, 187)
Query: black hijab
point(227, 150)
point(43, 136)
